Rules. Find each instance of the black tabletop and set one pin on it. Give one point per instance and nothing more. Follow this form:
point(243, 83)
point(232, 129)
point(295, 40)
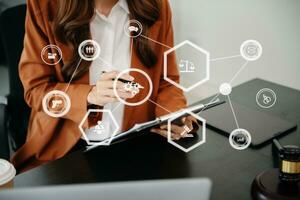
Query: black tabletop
point(150, 156)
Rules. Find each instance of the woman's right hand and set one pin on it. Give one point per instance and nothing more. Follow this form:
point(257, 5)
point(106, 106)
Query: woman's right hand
point(103, 92)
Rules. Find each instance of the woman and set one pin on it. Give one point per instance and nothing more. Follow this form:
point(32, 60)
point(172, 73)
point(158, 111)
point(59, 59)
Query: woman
point(67, 24)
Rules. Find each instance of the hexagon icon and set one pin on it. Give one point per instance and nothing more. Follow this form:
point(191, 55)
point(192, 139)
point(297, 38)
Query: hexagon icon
point(101, 130)
point(194, 142)
point(193, 65)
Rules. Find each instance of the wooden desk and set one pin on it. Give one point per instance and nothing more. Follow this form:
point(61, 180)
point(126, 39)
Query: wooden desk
point(151, 157)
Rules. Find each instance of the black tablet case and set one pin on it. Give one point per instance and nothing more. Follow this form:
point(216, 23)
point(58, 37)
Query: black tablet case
point(262, 126)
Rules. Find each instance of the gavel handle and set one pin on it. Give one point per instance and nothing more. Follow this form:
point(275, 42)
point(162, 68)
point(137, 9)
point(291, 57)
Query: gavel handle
point(278, 145)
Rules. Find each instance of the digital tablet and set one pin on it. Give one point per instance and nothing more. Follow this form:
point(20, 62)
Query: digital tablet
point(262, 126)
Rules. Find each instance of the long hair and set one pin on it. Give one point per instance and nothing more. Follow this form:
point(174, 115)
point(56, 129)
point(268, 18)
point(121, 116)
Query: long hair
point(71, 27)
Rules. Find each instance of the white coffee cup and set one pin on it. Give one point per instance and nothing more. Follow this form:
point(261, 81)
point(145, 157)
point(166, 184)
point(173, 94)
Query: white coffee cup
point(7, 174)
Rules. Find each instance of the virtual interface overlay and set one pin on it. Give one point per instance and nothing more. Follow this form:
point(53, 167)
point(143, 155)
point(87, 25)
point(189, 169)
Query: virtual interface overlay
point(191, 58)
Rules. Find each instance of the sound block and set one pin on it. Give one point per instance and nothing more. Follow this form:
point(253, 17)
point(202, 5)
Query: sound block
point(267, 186)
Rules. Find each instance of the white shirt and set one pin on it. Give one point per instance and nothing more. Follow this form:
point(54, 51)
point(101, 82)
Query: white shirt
point(108, 32)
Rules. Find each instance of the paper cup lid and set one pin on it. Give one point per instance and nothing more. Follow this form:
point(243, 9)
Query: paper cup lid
point(7, 172)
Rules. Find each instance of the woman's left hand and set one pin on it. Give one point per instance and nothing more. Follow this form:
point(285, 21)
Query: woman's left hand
point(181, 128)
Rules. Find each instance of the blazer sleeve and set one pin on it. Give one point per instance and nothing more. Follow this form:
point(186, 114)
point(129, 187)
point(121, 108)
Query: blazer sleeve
point(169, 97)
point(37, 77)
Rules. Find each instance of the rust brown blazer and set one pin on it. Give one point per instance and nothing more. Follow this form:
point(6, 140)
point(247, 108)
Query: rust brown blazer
point(52, 138)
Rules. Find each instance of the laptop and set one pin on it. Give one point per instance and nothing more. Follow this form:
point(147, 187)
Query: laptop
point(263, 127)
point(177, 189)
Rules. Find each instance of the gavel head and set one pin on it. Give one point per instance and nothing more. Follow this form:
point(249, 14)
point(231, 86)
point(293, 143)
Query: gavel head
point(289, 164)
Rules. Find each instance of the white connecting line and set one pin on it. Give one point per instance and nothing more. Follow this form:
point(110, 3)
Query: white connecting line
point(76, 69)
point(238, 72)
point(234, 115)
point(73, 75)
point(115, 108)
point(224, 58)
point(229, 99)
point(131, 48)
point(156, 42)
point(159, 106)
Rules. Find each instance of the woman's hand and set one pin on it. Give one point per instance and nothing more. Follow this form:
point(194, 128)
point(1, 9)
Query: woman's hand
point(103, 92)
point(181, 128)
